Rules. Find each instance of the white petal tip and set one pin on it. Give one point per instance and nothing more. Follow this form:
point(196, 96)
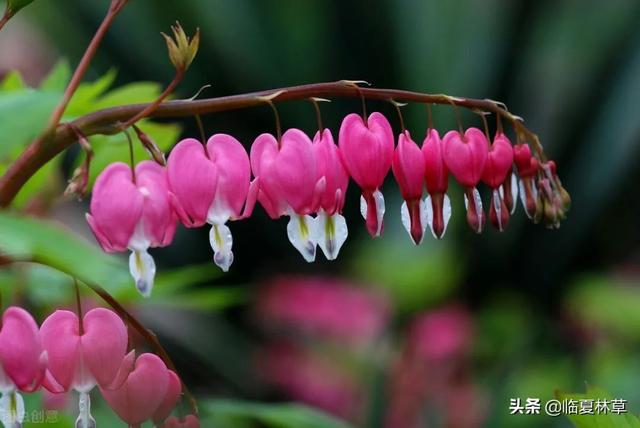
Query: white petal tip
point(143, 271)
point(332, 233)
point(302, 233)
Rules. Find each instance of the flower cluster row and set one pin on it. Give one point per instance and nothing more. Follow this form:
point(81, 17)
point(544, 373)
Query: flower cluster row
point(298, 177)
point(67, 353)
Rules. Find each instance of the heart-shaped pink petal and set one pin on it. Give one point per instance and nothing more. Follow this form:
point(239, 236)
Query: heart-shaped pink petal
point(142, 393)
point(329, 165)
point(499, 162)
point(192, 179)
point(20, 348)
point(436, 172)
point(170, 399)
point(408, 167)
point(466, 155)
point(234, 173)
point(158, 217)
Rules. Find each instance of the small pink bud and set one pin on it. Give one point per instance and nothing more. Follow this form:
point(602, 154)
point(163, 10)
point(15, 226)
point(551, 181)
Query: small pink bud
point(466, 156)
point(437, 181)
point(499, 163)
point(367, 153)
point(409, 170)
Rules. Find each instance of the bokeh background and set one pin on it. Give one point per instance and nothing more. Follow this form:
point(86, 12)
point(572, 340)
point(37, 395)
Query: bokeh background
point(389, 335)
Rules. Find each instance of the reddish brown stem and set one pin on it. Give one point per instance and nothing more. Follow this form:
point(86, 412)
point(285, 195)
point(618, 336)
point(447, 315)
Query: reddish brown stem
point(107, 121)
point(5, 18)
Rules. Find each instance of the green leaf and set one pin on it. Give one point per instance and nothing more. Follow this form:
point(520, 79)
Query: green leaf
point(15, 5)
point(12, 82)
point(85, 98)
point(58, 77)
point(598, 420)
point(139, 92)
point(46, 242)
point(229, 413)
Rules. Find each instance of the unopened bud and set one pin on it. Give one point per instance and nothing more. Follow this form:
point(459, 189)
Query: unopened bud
point(79, 182)
point(182, 50)
point(151, 147)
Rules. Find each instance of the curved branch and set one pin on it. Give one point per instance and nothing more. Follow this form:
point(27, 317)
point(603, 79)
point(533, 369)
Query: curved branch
point(108, 121)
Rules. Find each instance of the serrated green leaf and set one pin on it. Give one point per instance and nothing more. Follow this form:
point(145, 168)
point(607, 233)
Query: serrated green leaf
point(229, 413)
point(87, 94)
point(12, 81)
point(138, 92)
point(58, 77)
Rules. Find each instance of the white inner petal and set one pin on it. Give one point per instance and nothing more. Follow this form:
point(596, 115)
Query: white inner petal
point(85, 420)
point(363, 207)
point(221, 242)
point(446, 212)
point(478, 207)
point(497, 206)
point(377, 196)
point(332, 233)
point(12, 411)
point(425, 216)
point(302, 233)
point(514, 191)
point(143, 271)
point(139, 240)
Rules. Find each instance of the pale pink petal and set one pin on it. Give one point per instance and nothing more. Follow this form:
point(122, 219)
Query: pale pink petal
point(116, 205)
point(234, 172)
point(20, 348)
point(170, 399)
point(61, 341)
point(296, 170)
point(142, 393)
point(158, 217)
point(104, 344)
point(192, 179)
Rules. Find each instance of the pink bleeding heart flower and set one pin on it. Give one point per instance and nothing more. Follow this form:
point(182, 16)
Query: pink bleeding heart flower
point(134, 215)
point(174, 389)
point(144, 392)
point(22, 363)
point(331, 227)
point(498, 166)
point(437, 181)
point(409, 170)
point(367, 153)
point(527, 170)
point(190, 421)
point(83, 354)
point(211, 185)
point(289, 185)
point(465, 156)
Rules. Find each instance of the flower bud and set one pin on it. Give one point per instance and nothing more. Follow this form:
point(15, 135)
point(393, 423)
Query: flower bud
point(152, 148)
point(182, 50)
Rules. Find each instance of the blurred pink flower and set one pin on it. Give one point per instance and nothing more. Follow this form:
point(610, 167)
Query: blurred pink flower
point(323, 306)
point(442, 334)
point(310, 379)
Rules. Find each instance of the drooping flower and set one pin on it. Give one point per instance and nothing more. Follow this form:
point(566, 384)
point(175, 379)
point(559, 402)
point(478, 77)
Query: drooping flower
point(211, 185)
point(496, 170)
point(134, 215)
point(189, 421)
point(367, 152)
point(148, 389)
point(409, 170)
point(289, 185)
point(22, 363)
point(465, 156)
point(83, 354)
point(437, 203)
point(331, 225)
point(528, 167)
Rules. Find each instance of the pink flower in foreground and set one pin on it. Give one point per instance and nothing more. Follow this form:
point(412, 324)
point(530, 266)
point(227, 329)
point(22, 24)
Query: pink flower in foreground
point(465, 156)
point(211, 185)
point(409, 170)
point(149, 392)
point(134, 215)
point(22, 363)
point(189, 421)
point(85, 354)
point(331, 225)
point(437, 180)
point(367, 153)
point(496, 171)
point(323, 306)
point(289, 185)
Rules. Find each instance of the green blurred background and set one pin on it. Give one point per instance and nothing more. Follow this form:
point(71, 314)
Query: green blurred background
point(550, 309)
